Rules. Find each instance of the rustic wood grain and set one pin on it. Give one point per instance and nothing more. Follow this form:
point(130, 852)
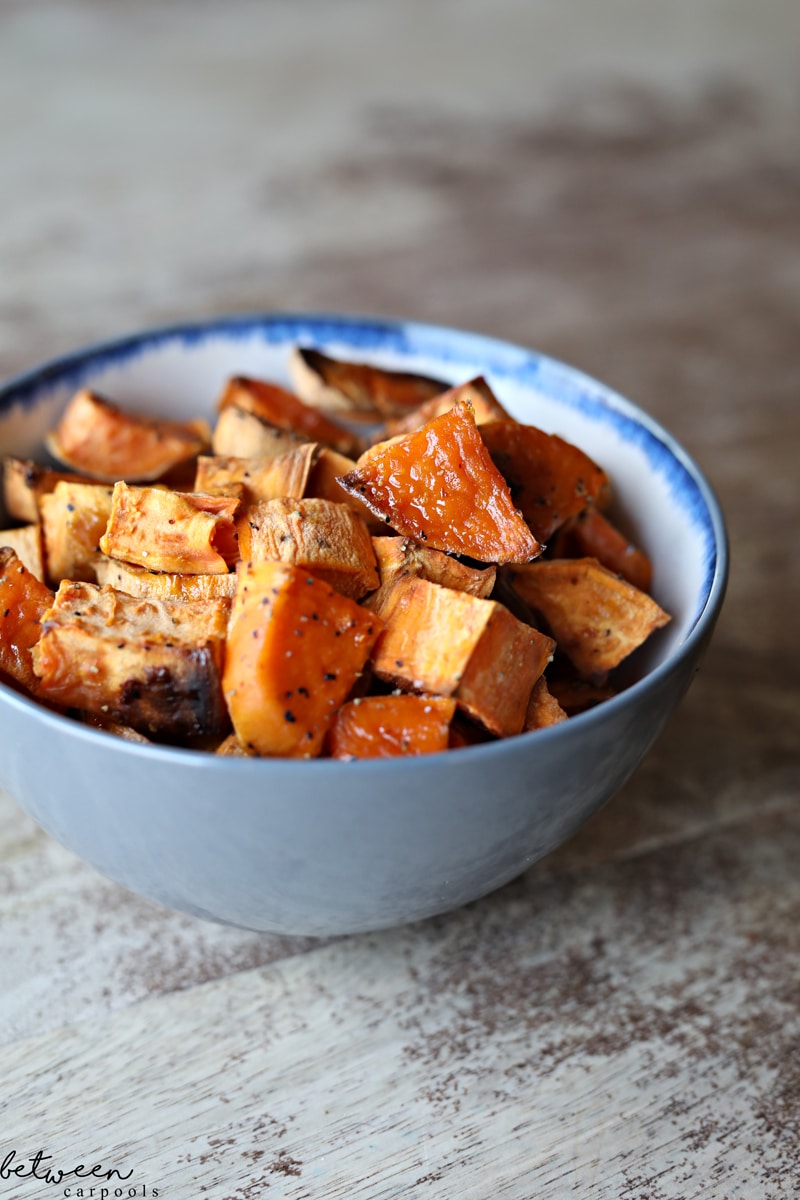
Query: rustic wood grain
point(624, 1020)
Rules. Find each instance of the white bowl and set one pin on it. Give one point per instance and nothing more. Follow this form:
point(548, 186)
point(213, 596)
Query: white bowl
point(325, 847)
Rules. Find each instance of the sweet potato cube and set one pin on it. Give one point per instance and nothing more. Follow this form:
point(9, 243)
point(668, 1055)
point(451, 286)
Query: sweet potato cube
point(164, 585)
point(26, 541)
point(358, 390)
point(260, 478)
point(74, 519)
point(155, 665)
point(24, 484)
point(98, 439)
point(24, 600)
point(597, 618)
point(398, 556)
point(240, 434)
point(452, 644)
point(543, 708)
point(323, 484)
point(327, 539)
point(285, 411)
point(439, 486)
point(485, 407)
point(185, 532)
point(295, 649)
point(591, 534)
point(391, 727)
point(550, 479)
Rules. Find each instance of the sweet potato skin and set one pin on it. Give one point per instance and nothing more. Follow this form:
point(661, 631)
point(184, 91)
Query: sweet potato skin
point(24, 600)
point(439, 486)
point(295, 649)
point(391, 727)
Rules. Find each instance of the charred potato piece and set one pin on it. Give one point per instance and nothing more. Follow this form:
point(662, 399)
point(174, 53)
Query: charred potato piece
point(358, 390)
point(155, 665)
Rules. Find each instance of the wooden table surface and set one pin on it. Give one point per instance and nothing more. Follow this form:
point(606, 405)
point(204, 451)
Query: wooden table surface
point(624, 1020)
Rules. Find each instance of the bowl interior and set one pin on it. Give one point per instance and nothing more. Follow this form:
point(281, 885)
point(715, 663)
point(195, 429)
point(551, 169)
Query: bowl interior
point(661, 499)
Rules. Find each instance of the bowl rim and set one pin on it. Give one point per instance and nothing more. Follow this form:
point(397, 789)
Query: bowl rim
point(529, 369)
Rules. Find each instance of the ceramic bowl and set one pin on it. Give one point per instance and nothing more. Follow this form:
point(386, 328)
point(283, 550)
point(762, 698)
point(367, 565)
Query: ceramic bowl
point(326, 847)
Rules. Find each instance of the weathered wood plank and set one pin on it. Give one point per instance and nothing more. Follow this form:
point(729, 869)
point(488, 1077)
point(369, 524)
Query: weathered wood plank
point(617, 1032)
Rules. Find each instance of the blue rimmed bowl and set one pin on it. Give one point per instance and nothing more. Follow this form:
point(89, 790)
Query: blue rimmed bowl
point(327, 847)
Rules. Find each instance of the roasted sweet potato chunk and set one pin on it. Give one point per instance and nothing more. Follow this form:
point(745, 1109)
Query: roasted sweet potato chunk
point(391, 727)
point(543, 708)
point(485, 406)
point(185, 532)
point(550, 479)
point(449, 643)
point(98, 439)
point(164, 585)
point(398, 556)
point(155, 665)
point(260, 478)
point(440, 487)
point(74, 519)
point(295, 649)
point(26, 541)
point(285, 411)
point(327, 539)
point(597, 618)
point(591, 534)
point(323, 484)
point(241, 434)
point(24, 484)
point(358, 390)
point(24, 600)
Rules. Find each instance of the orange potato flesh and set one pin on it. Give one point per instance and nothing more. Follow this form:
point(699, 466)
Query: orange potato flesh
point(155, 665)
point(327, 539)
point(591, 534)
point(596, 618)
point(295, 649)
point(24, 600)
point(74, 519)
point(440, 487)
point(391, 727)
point(485, 406)
point(100, 440)
point(449, 643)
point(358, 390)
point(550, 479)
point(261, 479)
point(286, 411)
point(184, 532)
